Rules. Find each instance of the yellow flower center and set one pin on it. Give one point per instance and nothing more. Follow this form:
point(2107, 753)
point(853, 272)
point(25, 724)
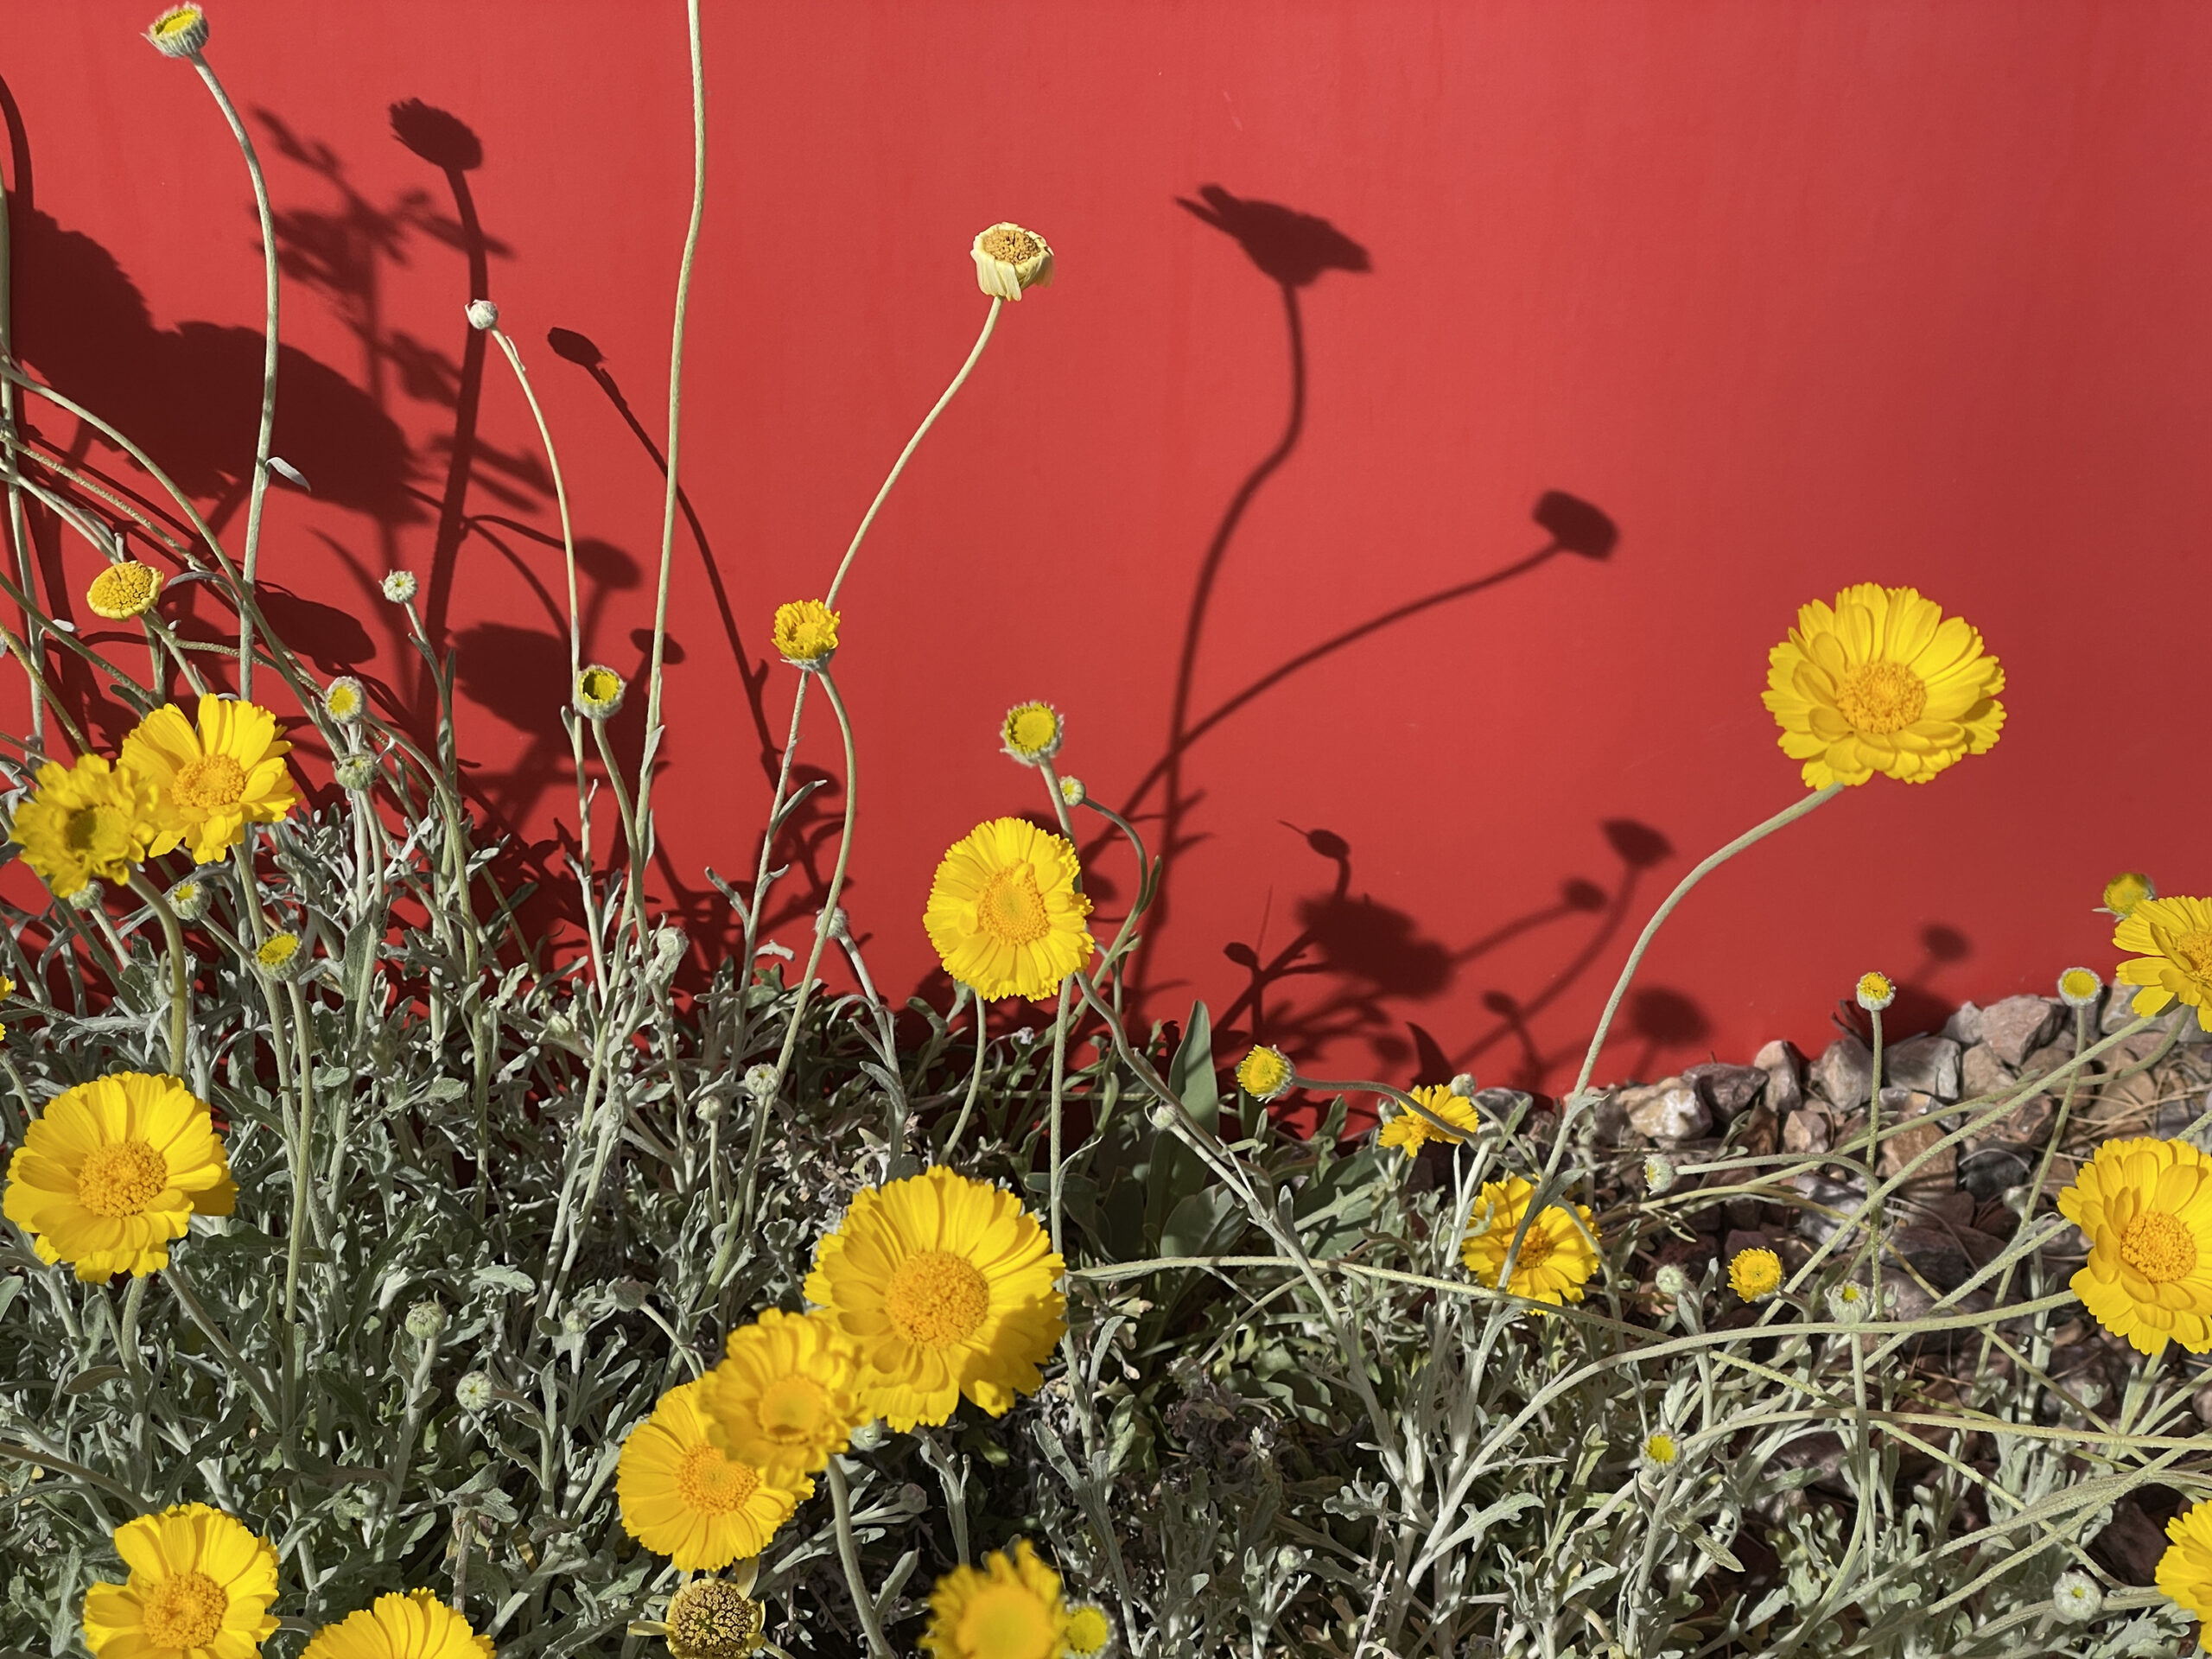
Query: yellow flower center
point(278, 950)
point(710, 1484)
point(937, 1298)
point(792, 1410)
point(1874, 986)
point(1008, 1621)
point(83, 830)
point(175, 22)
point(1088, 1630)
point(1660, 1448)
point(121, 1180)
point(1535, 1250)
point(184, 1612)
point(2078, 983)
point(123, 590)
point(210, 783)
point(1011, 244)
point(711, 1618)
point(601, 684)
point(1881, 697)
point(2159, 1247)
point(1012, 910)
point(2194, 952)
point(1031, 728)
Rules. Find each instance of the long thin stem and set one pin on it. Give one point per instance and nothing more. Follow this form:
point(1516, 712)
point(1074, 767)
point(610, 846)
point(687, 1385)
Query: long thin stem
point(179, 979)
point(10, 469)
point(841, 1499)
point(250, 559)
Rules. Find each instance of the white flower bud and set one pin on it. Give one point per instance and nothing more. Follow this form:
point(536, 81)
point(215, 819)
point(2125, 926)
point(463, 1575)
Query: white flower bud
point(425, 1320)
point(474, 1391)
point(2075, 1598)
point(482, 313)
point(1671, 1280)
point(399, 587)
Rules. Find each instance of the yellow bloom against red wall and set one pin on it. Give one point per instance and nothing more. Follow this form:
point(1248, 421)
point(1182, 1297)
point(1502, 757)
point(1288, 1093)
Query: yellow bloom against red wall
point(1004, 912)
point(214, 780)
point(415, 1625)
point(683, 1497)
point(2172, 938)
point(2146, 1207)
point(1882, 680)
point(200, 1585)
point(88, 820)
point(1555, 1259)
point(1409, 1131)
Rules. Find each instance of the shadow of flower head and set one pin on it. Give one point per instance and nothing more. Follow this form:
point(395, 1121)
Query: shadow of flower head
point(444, 140)
point(1292, 247)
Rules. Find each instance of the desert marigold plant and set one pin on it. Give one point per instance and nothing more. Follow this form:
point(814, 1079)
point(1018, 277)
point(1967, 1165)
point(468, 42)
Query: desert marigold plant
point(785, 1396)
point(85, 822)
point(214, 778)
point(947, 1286)
point(200, 1586)
point(1556, 1257)
point(1882, 680)
point(1266, 1073)
point(1011, 1606)
point(125, 589)
point(414, 1625)
point(805, 633)
point(1032, 733)
point(1408, 1131)
point(684, 1497)
point(2184, 1571)
point(1005, 913)
point(1754, 1275)
point(112, 1172)
point(2146, 1208)
point(2172, 938)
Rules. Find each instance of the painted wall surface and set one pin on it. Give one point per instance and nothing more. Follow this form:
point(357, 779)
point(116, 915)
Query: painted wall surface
point(1767, 297)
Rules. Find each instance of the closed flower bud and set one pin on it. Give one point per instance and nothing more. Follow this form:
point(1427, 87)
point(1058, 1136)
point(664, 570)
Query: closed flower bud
point(189, 899)
point(1072, 792)
point(1165, 1116)
point(1876, 991)
point(355, 772)
point(574, 1323)
point(761, 1083)
point(473, 1392)
point(1671, 1280)
point(483, 314)
point(344, 701)
point(599, 692)
point(1849, 1303)
point(179, 32)
point(2075, 1598)
point(282, 956)
point(629, 1294)
point(399, 587)
point(1658, 1174)
point(425, 1320)
point(709, 1108)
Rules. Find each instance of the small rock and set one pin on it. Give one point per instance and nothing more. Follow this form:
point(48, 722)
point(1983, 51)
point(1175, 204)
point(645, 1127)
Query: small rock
point(1757, 1132)
point(2175, 1116)
point(1928, 1065)
point(1981, 1072)
point(1842, 1197)
point(1992, 1169)
point(1666, 1111)
point(1938, 1175)
point(1809, 1129)
point(1727, 1090)
point(1785, 1071)
point(2016, 1026)
point(1964, 1027)
point(1607, 1119)
point(1945, 1257)
point(1844, 1073)
point(2025, 1125)
point(2119, 1009)
point(2132, 1545)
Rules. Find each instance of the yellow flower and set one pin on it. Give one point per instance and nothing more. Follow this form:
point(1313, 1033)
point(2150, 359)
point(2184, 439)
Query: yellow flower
point(1882, 682)
point(1004, 912)
point(2125, 891)
point(179, 32)
point(1009, 1607)
point(2146, 1206)
point(1087, 1630)
point(212, 782)
point(345, 701)
point(416, 1625)
point(682, 1497)
point(1555, 1259)
point(1009, 259)
point(6, 990)
point(947, 1286)
point(2078, 987)
point(1755, 1274)
point(88, 820)
point(806, 633)
point(114, 1170)
point(599, 691)
point(1033, 732)
point(2174, 939)
point(1266, 1073)
point(200, 1585)
point(2184, 1573)
point(279, 956)
point(787, 1396)
point(713, 1618)
point(1410, 1131)
point(1876, 991)
point(1659, 1452)
point(126, 589)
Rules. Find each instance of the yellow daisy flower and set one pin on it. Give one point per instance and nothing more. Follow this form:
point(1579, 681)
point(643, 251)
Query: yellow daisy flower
point(1033, 732)
point(1555, 1259)
point(1004, 912)
point(786, 1397)
point(88, 820)
point(1882, 680)
point(714, 1619)
point(2173, 940)
point(1409, 1131)
point(415, 1625)
point(806, 633)
point(1876, 991)
point(946, 1285)
point(684, 1498)
point(2184, 1572)
point(1266, 1073)
point(1755, 1274)
point(2125, 891)
point(126, 589)
point(1009, 1607)
point(2146, 1206)
point(213, 781)
point(114, 1170)
point(200, 1585)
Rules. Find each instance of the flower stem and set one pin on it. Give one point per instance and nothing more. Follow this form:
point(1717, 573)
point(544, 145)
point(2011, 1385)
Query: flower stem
point(841, 1498)
point(180, 981)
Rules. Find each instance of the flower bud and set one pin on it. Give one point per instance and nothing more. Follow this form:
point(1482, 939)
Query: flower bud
point(283, 958)
point(344, 701)
point(1658, 1174)
point(2078, 987)
point(1671, 1280)
point(2075, 1598)
point(574, 1323)
point(599, 690)
point(761, 1083)
point(1072, 792)
point(870, 1435)
point(1032, 733)
point(1876, 991)
point(179, 32)
point(629, 1294)
point(190, 897)
point(355, 774)
point(473, 1392)
point(483, 314)
point(425, 1320)
point(399, 587)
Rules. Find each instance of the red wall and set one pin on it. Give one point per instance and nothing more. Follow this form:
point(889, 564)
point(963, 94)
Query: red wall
point(1794, 294)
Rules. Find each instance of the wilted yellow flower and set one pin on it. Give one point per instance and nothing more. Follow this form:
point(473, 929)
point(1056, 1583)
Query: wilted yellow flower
point(1008, 1607)
point(416, 1625)
point(806, 633)
point(947, 1286)
point(200, 1585)
point(2174, 938)
point(683, 1497)
point(1033, 732)
point(1884, 682)
point(1265, 1073)
point(212, 782)
point(1876, 991)
point(1004, 912)
point(179, 32)
point(1555, 1259)
point(2146, 1206)
point(713, 1618)
point(1410, 1131)
point(786, 1397)
point(1009, 259)
point(2184, 1572)
point(88, 820)
point(1755, 1274)
point(114, 1170)
point(126, 589)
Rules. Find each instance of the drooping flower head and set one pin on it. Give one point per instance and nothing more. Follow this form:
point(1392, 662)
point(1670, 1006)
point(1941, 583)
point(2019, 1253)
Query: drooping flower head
point(714, 1619)
point(1876, 991)
point(1266, 1073)
point(179, 32)
point(1009, 1606)
point(785, 1396)
point(2172, 938)
point(415, 1625)
point(2146, 1206)
point(2125, 891)
point(1009, 259)
point(214, 781)
point(2184, 1572)
point(683, 1497)
point(1882, 680)
point(88, 820)
point(947, 1286)
point(1004, 912)
point(1409, 1131)
point(1033, 732)
point(1753, 1275)
point(114, 1170)
point(2078, 987)
point(806, 633)
point(1555, 1259)
point(125, 589)
point(200, 1588)
point(599, 691)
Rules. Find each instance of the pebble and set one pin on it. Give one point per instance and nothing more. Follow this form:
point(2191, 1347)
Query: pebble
point(1929, 1065)
point(1844, 1073)
point(2016, 1026)
point(1669, 1110)
point(1785, 1073)
point(1982, 1072)
point(1727, 1090)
